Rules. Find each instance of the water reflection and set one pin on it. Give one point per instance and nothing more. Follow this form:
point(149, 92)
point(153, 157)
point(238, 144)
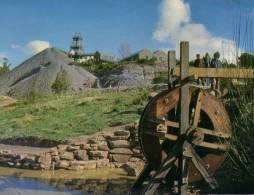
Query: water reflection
point(26, 182)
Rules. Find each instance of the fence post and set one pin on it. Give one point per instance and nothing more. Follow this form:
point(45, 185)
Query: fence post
point(171, 65)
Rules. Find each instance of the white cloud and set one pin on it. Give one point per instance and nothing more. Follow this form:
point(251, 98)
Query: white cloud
point(175, 25)
point(36, 46)
point(15, 46)
point(32, 47)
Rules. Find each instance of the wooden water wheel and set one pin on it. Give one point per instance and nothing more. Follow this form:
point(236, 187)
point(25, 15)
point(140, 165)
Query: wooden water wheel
point(208, 135)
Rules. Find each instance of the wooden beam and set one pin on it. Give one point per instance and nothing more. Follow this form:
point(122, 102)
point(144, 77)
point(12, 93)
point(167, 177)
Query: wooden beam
point(184, 116)
point(231, 73)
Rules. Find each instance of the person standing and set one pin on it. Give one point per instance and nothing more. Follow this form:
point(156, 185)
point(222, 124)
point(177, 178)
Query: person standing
point(207, 64)
point(216, 63)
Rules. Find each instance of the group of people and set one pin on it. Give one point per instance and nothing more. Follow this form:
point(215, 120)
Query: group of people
point(207, 62)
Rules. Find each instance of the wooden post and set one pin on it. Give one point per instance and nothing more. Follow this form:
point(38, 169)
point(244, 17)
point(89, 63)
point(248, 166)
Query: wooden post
point(171, 66)
point(184, 115)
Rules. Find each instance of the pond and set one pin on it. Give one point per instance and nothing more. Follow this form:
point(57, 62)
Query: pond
point(61, 182)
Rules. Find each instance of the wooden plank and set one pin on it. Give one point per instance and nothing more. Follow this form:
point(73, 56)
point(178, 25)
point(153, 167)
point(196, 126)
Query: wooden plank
point(200, 165)
point(213, 146)
point(184, 114)
point(237, 73)
point(198, 129)
point(164, 122)
point(213, 133)
point(197, 110)
point(162, 135)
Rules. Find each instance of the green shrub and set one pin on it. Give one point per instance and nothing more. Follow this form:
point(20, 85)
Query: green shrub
point(61, 83)
point(31, 96)
point(161, 77)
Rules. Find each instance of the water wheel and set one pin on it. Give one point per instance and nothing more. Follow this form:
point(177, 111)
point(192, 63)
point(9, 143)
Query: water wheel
point(209, 134)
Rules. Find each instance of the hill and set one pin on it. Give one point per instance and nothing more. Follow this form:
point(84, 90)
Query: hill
point(41, 71)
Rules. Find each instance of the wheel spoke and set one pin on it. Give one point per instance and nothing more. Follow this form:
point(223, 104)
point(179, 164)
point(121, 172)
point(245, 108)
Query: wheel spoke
point(200, 165)
point(213, 146)
point(197, 110)
point(162, 135)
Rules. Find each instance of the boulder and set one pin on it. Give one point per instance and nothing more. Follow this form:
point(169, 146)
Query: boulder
point(122, 133)
point(80, 155)
point(85, 146)
point(67, 156)
point(133, 169)
point(120, 158)
point(45, 161)
point(121, 151)
point(119, 144)
point(62, 164)
point(72, 148)
point(98, 154)
point(62, 147)
point(101, 163)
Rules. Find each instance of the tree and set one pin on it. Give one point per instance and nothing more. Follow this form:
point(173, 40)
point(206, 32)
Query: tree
point(5, 67)
point(246, 60)
point(124, 50)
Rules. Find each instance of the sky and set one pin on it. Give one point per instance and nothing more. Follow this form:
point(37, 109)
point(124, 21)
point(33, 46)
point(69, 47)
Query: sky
point(29, 26)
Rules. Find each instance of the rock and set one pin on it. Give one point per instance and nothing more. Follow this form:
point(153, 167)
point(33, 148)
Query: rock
point(67, 156)
point(114, 137)
point(102, 163)
point(72, 148)
point(85, 146)
point(134, 159)
point(81, 155)
point(103, 147)
point(122, 133)
point(98, 154)
point(62, 147)
point(133, 169)
point(93, 147)
point(62, 164)
point(45, 161)
point(53, 151)
point(90, 164)
point(121, 158)
point(121, 151)
point(119, 144)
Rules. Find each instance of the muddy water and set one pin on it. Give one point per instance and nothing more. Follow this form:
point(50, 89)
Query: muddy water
point(60, 182)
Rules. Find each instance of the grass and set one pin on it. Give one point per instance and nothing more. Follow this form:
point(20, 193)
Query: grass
point(59, 117)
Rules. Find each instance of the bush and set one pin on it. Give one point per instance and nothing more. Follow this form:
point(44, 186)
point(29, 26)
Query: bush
point(61, 83)
point(161, 77)
point(31, 97)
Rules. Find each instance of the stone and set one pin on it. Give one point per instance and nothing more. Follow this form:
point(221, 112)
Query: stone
point(102, 163)
point(103, 147)
point(133, 169)
point(80, 155)
point(62, 147)
point(113, 137)
point(93, 147)
point(72, 148)
point(121, 151)
point(85, 146)
point(122, 133)
point(53, 151)
point(134, 159)
point(45, 161)
point(98, 154)
point(119, 144)
point(121, 158)
point(67, 156)
point(87, 165)
point(62, 164)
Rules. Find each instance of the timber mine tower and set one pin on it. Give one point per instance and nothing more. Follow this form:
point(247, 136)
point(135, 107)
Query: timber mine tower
point(76, 48)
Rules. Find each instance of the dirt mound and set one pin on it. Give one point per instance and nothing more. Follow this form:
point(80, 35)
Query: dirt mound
point(39, 73)
point(6, 101)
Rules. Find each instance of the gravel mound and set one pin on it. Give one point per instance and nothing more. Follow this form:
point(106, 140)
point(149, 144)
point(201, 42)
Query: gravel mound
point(40, 71)
point(131, 75)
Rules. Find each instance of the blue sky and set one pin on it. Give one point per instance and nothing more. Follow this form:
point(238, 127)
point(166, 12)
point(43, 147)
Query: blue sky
point(105, 24)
